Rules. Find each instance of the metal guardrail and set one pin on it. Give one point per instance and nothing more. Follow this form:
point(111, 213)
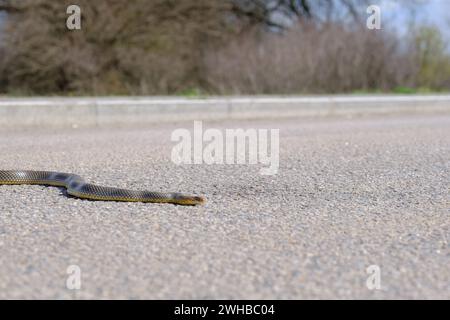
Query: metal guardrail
point(102, 111)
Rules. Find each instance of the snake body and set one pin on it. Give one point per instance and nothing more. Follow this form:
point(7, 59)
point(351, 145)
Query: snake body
point(77, 187)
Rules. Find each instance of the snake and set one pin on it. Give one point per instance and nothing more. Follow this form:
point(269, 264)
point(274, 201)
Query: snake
point(77, 187)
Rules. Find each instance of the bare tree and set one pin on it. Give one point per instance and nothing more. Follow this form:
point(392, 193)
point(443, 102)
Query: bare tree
point(167, 46)
point(311, 59)
point(123, 47)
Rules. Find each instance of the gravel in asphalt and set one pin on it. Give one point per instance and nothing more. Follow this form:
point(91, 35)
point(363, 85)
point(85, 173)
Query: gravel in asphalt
point(349, 193)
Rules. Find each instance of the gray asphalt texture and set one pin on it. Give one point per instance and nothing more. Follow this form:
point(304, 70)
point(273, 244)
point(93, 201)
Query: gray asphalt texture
point(349, 193)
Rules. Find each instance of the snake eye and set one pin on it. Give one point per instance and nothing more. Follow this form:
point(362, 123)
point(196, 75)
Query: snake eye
point(199, 200)
point(188, 199)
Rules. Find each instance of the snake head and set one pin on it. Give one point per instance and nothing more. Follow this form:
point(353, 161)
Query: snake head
point(188, 200)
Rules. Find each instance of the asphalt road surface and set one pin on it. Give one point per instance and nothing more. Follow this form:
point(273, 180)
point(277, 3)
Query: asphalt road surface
point(351, 197)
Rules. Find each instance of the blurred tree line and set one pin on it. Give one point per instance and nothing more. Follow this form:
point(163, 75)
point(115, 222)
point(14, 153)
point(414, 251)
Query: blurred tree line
point(211, 46)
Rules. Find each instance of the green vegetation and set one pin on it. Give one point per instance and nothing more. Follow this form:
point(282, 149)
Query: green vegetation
point(191, 93)
point(404, 90)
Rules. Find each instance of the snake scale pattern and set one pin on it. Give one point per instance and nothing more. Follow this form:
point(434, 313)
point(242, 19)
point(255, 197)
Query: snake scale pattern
point(77, 187)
